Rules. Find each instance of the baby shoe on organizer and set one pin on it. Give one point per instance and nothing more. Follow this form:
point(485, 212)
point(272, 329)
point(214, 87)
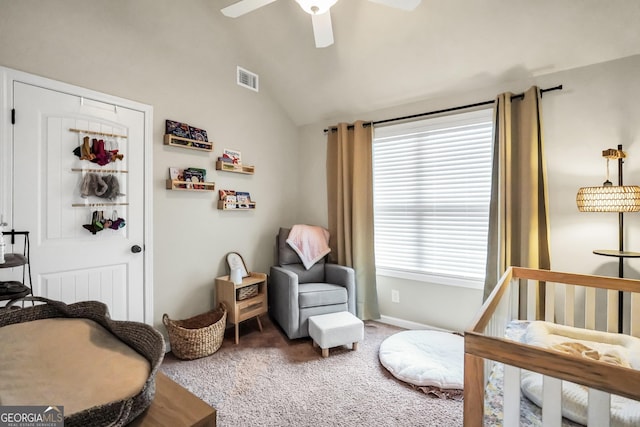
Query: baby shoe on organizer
point(113, 187)
point(98, 220)
point(101, 156)
point(93, 228)
point(93, 185)
point(115, 156)
point(118, 224)
point(86, 153)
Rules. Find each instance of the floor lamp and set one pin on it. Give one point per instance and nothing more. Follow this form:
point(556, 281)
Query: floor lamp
point(611, 198)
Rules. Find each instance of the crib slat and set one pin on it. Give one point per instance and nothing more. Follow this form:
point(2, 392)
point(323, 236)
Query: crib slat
point(590, 308)
point(635, 315)
point(550, 302)
point(569, 300)
point(511, 408)
point(551, 401)
point(532, 300)
point(598, 408)
point(612, 311)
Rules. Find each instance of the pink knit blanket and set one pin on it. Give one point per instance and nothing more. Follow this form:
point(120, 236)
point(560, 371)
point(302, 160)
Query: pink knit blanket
point(310, 242)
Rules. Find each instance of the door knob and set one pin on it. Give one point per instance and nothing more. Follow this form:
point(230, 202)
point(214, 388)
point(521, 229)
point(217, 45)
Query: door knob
point(135, 249)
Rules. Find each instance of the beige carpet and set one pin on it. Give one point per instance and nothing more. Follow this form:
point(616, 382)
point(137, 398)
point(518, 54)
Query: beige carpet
point(268, 380)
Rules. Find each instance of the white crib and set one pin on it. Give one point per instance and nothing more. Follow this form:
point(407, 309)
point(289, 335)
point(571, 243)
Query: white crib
point(571, 299)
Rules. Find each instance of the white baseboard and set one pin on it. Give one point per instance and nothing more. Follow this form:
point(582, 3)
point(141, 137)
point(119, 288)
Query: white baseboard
point(407, 324)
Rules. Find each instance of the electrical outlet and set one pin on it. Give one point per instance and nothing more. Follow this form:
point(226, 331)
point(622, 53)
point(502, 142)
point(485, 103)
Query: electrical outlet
point(395, 296)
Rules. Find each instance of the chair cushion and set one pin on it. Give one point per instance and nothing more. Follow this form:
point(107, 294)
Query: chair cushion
point(286, 255)
point(314, 274)
point(318, 294)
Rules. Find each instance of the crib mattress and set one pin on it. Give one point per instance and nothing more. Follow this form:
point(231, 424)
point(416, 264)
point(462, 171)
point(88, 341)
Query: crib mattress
point(530, 413)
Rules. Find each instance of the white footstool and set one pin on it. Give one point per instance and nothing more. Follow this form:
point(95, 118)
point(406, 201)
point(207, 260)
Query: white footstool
point(334, 329)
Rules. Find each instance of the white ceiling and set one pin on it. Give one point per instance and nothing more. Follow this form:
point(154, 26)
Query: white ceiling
point(384, 57)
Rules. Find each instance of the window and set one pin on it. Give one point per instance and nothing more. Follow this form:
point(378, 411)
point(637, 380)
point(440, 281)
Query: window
point(432, 185)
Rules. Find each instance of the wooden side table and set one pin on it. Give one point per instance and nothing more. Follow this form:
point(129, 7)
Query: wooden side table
point(175, 406)
point(239, 310)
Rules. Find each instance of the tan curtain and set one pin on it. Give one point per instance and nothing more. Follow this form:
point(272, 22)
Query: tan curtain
point(518, 219)
point(350, 205)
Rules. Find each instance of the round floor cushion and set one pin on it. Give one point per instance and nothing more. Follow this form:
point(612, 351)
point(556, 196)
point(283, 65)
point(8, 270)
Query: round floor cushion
point(425, 358)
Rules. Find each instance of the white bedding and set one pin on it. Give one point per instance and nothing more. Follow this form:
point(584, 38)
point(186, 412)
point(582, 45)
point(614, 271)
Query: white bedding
point(622, 350)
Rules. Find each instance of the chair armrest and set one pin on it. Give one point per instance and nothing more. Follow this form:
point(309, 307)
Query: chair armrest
point(343, 276)
point(283, 297)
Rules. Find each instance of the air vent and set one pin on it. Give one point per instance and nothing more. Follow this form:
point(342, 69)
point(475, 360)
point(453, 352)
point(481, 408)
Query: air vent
point(247, 79)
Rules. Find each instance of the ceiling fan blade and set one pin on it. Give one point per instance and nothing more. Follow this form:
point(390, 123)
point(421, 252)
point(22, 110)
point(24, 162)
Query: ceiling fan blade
point(399, 4)
point(244, 6)
point(322, 30)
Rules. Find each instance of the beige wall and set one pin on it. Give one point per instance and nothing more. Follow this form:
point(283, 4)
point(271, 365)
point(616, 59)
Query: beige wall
point(126, 48)
point(597, 109)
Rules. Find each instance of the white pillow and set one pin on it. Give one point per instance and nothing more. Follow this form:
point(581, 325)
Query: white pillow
point(425, 358)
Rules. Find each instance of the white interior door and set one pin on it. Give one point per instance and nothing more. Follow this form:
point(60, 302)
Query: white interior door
point(68, 262)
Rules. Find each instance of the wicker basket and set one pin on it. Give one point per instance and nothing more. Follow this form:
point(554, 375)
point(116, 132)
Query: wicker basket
point(247, 292)
point(198, 336)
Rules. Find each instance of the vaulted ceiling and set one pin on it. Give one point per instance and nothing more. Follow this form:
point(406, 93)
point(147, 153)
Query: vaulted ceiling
point(384, 57)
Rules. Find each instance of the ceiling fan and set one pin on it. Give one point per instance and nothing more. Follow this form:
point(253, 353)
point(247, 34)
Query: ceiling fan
point(319, 11)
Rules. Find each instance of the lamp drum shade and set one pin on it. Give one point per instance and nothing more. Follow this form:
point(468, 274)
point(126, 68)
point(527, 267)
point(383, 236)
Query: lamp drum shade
point(624, 198)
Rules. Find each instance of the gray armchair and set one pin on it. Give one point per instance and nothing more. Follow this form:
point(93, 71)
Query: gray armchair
point(295, 294)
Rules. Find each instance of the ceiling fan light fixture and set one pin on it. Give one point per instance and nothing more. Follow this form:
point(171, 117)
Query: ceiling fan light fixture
point(316, 7)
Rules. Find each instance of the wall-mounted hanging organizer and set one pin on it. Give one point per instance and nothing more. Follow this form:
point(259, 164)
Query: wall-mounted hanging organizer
point(102, 178)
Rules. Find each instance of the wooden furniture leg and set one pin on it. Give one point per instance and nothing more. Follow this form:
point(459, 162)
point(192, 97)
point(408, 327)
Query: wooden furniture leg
point(259, 323)
point(237, 333)
point(325, 352)
point(354, 347)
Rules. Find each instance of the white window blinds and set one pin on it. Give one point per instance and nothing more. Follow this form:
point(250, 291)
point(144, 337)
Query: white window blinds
point(432, 184)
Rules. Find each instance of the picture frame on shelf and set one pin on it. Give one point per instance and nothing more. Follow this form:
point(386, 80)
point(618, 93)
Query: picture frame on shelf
point(235, 260)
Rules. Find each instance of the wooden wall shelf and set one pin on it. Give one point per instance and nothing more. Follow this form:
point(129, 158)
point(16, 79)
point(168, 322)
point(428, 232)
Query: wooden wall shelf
point(230, 167)
point(177, 141)
point(174, 184)
point(251, 206)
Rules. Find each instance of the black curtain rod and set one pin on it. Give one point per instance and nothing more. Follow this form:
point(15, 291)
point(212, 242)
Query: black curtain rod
point(446, 110)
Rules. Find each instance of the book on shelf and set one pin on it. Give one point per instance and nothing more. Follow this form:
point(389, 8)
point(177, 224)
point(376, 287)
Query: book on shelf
point(198, 134)
point(178, 129)
point(177, 174)
point(233, 155)
point(195, 176)
point(230, 202)
point(225, 193)
point(244, 199)
point(184, 130)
